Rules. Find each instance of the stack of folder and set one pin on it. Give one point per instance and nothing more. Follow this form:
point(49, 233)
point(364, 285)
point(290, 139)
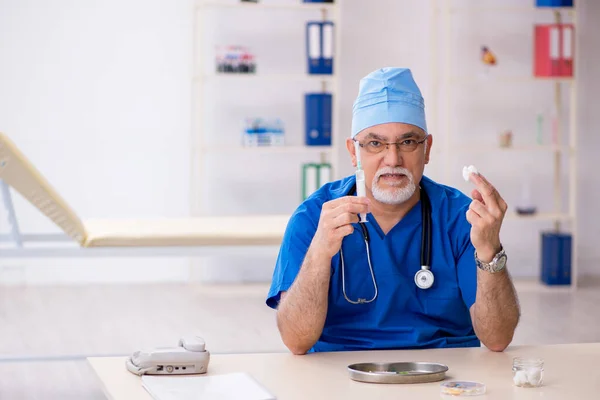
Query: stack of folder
point(554, 50)
point(313, 177)
point(319, 47)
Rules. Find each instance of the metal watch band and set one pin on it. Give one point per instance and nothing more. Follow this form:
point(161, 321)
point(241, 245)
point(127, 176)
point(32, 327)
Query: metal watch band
point(497, 264)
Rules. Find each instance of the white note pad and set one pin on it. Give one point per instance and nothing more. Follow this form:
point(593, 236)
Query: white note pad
point(238, 386)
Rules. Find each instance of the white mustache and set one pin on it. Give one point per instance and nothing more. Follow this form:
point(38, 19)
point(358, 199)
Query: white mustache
point(390, 170)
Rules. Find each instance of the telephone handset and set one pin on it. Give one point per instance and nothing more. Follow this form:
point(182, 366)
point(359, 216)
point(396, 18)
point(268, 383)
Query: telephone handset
point(189, 357)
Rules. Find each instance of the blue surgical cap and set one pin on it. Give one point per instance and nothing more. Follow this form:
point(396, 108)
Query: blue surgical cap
point(388, 95)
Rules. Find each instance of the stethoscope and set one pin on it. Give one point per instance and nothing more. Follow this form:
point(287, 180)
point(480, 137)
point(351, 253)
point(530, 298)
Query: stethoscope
point(423, 277)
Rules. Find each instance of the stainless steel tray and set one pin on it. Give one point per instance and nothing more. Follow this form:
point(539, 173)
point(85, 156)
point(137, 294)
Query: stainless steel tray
point(399, 372)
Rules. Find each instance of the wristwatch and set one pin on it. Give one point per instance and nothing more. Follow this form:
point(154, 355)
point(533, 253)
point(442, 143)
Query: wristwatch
point(497, 264)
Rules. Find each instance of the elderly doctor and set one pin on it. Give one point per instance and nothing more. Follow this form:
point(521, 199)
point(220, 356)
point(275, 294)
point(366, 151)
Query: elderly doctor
point(426, 270)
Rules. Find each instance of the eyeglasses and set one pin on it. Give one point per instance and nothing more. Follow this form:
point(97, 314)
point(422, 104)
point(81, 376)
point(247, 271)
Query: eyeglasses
point(375, 146)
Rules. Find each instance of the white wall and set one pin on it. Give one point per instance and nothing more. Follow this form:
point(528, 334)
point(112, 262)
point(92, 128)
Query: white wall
point(112, 81)
point(97, 94)
point(589, 139)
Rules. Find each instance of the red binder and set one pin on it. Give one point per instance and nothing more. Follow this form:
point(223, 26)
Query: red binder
point(568, 45)
point(553, 50)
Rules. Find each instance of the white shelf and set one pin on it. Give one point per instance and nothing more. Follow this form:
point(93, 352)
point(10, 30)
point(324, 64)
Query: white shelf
point(540, 216)
point(532, 148)
point(506, 79)
point(267, 149)
point(258, 76)
point(507, 9)
point(269, 5)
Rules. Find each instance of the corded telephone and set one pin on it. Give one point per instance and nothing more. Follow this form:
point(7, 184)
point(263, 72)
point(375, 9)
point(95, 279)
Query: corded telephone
point(189, 357)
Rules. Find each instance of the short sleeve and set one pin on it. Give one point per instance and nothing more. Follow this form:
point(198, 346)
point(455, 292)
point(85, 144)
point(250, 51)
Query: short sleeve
point(296, 241)
point(464, 253)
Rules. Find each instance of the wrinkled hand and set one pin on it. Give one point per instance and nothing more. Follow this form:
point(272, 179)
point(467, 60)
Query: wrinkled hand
point(335, 223)
point(485, 215)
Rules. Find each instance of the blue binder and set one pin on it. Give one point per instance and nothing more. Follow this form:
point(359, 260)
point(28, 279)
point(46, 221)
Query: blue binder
point(556, 258)
point(319, 47)
point(554, 3)
point(318, 124)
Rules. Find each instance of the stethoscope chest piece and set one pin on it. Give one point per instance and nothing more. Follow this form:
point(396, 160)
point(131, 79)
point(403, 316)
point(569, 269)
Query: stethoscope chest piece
point(424, 278)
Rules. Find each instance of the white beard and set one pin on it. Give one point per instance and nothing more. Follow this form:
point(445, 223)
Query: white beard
point(393, 196)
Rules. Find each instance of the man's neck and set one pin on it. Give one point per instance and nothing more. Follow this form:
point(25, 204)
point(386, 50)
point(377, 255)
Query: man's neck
point(388, 215)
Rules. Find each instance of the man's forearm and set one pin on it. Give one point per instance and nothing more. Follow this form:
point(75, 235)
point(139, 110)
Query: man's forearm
point(496, 311)
point(302, 311)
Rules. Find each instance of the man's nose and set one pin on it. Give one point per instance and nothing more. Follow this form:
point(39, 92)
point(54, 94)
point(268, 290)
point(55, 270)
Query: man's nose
point(392, 157)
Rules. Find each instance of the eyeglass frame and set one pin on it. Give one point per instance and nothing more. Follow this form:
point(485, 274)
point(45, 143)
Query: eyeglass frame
point(396, 144)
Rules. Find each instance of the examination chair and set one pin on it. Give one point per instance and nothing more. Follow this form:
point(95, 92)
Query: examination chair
point(18, 172)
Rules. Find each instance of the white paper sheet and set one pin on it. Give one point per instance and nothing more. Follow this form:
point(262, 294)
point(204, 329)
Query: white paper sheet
point(238, 386)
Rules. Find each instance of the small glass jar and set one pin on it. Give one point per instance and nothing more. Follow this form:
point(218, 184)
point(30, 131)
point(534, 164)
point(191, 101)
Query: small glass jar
point(528, 372)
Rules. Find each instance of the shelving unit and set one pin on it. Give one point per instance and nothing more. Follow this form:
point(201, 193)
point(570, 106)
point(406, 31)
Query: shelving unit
point(507, 9)
point(463, 80)
point(270, 77)
point(513, 148)
point(446, 83)
point(203, 150)
point(330, 7)
point(270, 149)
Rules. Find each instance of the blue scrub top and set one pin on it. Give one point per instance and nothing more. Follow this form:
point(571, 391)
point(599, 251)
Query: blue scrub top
point(402, 316)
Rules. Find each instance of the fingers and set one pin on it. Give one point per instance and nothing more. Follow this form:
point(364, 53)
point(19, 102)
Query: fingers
point(349, 205)
point(341, 213)
point(345, 219)
point(332, 204)
point(480, 210)
point(472, 217)
point(488, 192)
point(350, 208)
point(337, 217)
point(344, 230)
point(477, 196)
point(488, 195)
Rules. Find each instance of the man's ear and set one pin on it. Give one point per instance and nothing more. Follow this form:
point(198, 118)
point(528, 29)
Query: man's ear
point(351, 150)
point(427, 148)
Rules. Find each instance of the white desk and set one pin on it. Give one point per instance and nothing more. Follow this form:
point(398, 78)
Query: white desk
point(571, 372)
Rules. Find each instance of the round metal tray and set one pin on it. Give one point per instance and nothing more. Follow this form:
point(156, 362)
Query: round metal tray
point(399, 372)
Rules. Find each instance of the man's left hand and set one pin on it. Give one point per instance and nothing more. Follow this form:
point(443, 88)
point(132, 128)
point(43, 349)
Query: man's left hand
point(485, 215)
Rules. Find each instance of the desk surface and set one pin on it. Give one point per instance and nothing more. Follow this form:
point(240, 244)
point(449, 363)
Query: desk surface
point(571, 372)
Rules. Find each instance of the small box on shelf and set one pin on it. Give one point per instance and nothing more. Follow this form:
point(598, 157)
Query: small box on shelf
point(235, 59)
point(261, 132)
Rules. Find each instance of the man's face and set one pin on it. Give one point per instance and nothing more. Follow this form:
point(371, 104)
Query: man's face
point(392, 172)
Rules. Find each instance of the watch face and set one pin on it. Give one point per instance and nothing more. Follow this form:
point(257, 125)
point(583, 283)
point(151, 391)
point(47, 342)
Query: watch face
point(501, 263)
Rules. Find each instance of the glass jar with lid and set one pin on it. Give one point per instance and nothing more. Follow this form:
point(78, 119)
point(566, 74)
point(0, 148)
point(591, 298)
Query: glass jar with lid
point(528, 372)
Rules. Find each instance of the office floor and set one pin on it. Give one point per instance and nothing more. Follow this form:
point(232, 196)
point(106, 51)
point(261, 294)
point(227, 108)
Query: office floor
point(46, 331)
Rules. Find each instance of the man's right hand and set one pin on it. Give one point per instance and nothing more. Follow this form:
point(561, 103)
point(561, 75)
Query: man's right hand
point(335, 223)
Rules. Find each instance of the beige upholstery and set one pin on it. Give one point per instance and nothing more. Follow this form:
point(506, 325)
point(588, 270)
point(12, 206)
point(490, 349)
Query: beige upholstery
point(19, 173)
point(206, 231)
point(22, 176)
